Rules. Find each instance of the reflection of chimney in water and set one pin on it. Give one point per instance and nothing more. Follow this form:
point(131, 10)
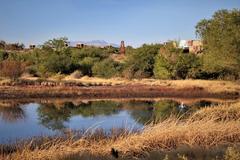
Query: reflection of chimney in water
point(122, 48)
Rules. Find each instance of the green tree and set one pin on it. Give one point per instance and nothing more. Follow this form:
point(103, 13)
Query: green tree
point(165, 62)
point(172, 63)
point(106, 68)
point(56, 44)
point(221, 39)
point(58, 63)
point(140, 62)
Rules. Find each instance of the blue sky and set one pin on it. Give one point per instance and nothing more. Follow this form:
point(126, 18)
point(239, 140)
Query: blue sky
point(135, 21)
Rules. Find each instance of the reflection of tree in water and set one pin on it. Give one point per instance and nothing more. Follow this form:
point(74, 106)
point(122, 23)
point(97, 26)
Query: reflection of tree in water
point(12, 113)
point(141, 111)
point(146, 112)
point(97, 108)
point(166, 108)
point(53, 117)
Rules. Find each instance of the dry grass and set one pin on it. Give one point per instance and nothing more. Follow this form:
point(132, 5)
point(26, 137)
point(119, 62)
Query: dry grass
point(209, 127)
point(213, 86)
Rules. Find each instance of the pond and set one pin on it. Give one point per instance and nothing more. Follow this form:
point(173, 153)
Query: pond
point(22, 121)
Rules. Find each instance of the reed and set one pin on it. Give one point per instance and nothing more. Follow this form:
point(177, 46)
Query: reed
point(207, 128)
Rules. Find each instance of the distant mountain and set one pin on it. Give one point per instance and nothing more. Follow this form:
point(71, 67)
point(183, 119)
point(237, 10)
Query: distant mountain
point(97, 43)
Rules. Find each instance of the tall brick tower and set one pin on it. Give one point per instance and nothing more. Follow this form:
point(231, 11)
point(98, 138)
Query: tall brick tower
point(122, 48)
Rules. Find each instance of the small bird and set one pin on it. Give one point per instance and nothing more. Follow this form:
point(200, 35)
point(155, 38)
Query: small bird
point(114, 153)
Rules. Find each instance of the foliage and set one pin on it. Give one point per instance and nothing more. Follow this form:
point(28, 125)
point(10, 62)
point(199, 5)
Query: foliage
point(11, 69)
point(58, 63)
point(106, 68)
point(221, 39)
point(172, 63)
point(58, 45)
point(3, 55)
point(140, 63)
point(220, 58)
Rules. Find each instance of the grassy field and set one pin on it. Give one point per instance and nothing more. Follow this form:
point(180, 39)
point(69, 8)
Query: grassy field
point(210, 133)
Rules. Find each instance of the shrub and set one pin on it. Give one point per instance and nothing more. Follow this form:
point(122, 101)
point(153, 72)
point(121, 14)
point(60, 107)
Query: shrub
point(11, 69)
point(171, 63)
point(58, 63)
point(3, 55)
point(76, 74)
point(106, 68)
point(141, 61)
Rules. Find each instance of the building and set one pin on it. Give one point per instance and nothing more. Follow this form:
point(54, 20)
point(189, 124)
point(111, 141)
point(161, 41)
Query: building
point(195, 46)
point(191, 46)
point(32, 46)
point(80, 45)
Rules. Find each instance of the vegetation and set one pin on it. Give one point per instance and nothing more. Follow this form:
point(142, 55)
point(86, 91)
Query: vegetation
point(221, 38)
point(220, 58)
point(11, 69)
point(201, 136)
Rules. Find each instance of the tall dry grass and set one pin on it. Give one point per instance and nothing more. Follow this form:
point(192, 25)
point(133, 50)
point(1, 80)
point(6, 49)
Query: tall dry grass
point(212, 86)
point(208, 127)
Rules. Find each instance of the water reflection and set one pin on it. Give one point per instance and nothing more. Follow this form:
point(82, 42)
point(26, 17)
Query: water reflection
point(12, 114)
point(50, 118)
point(53, 116)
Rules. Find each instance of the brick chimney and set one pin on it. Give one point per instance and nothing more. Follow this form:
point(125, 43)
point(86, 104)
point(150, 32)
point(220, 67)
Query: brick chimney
point(122, 48)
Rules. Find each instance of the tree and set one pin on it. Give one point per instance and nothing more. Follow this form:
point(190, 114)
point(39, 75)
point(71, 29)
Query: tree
point(172, 63)
point(3, 55)
point(106, 68)
point(141, 61)
point(165, 61)
point(2, 44)
point(221, 39)
point(58, 63)
point(57, 44)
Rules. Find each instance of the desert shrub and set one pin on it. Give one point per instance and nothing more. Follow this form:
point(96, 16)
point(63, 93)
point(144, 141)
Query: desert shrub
point(86, 65)
point(106, 68)
point(76, 74)
point(11, 69)
point(3, 55)
point(58, 63)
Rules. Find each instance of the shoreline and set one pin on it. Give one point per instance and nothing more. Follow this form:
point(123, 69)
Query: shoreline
point(111, 92)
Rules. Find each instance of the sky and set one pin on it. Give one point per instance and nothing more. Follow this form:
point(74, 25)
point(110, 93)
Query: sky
point(134, 21)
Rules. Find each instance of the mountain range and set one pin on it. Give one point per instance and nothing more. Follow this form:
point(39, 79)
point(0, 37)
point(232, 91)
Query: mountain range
point(97, 43)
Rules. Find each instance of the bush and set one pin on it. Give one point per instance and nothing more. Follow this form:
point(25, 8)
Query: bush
point(76, 74)
point(106, 68)
point(171, 63)
point(3, 55)
point(11, 69)
point(141, 62)
point(86, 65)
point(58, 63)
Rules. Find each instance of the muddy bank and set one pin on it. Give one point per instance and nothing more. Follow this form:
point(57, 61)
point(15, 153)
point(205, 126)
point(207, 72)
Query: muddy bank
point(118, 91)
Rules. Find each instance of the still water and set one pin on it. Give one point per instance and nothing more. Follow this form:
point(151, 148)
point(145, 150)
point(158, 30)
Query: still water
point(21, 121)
